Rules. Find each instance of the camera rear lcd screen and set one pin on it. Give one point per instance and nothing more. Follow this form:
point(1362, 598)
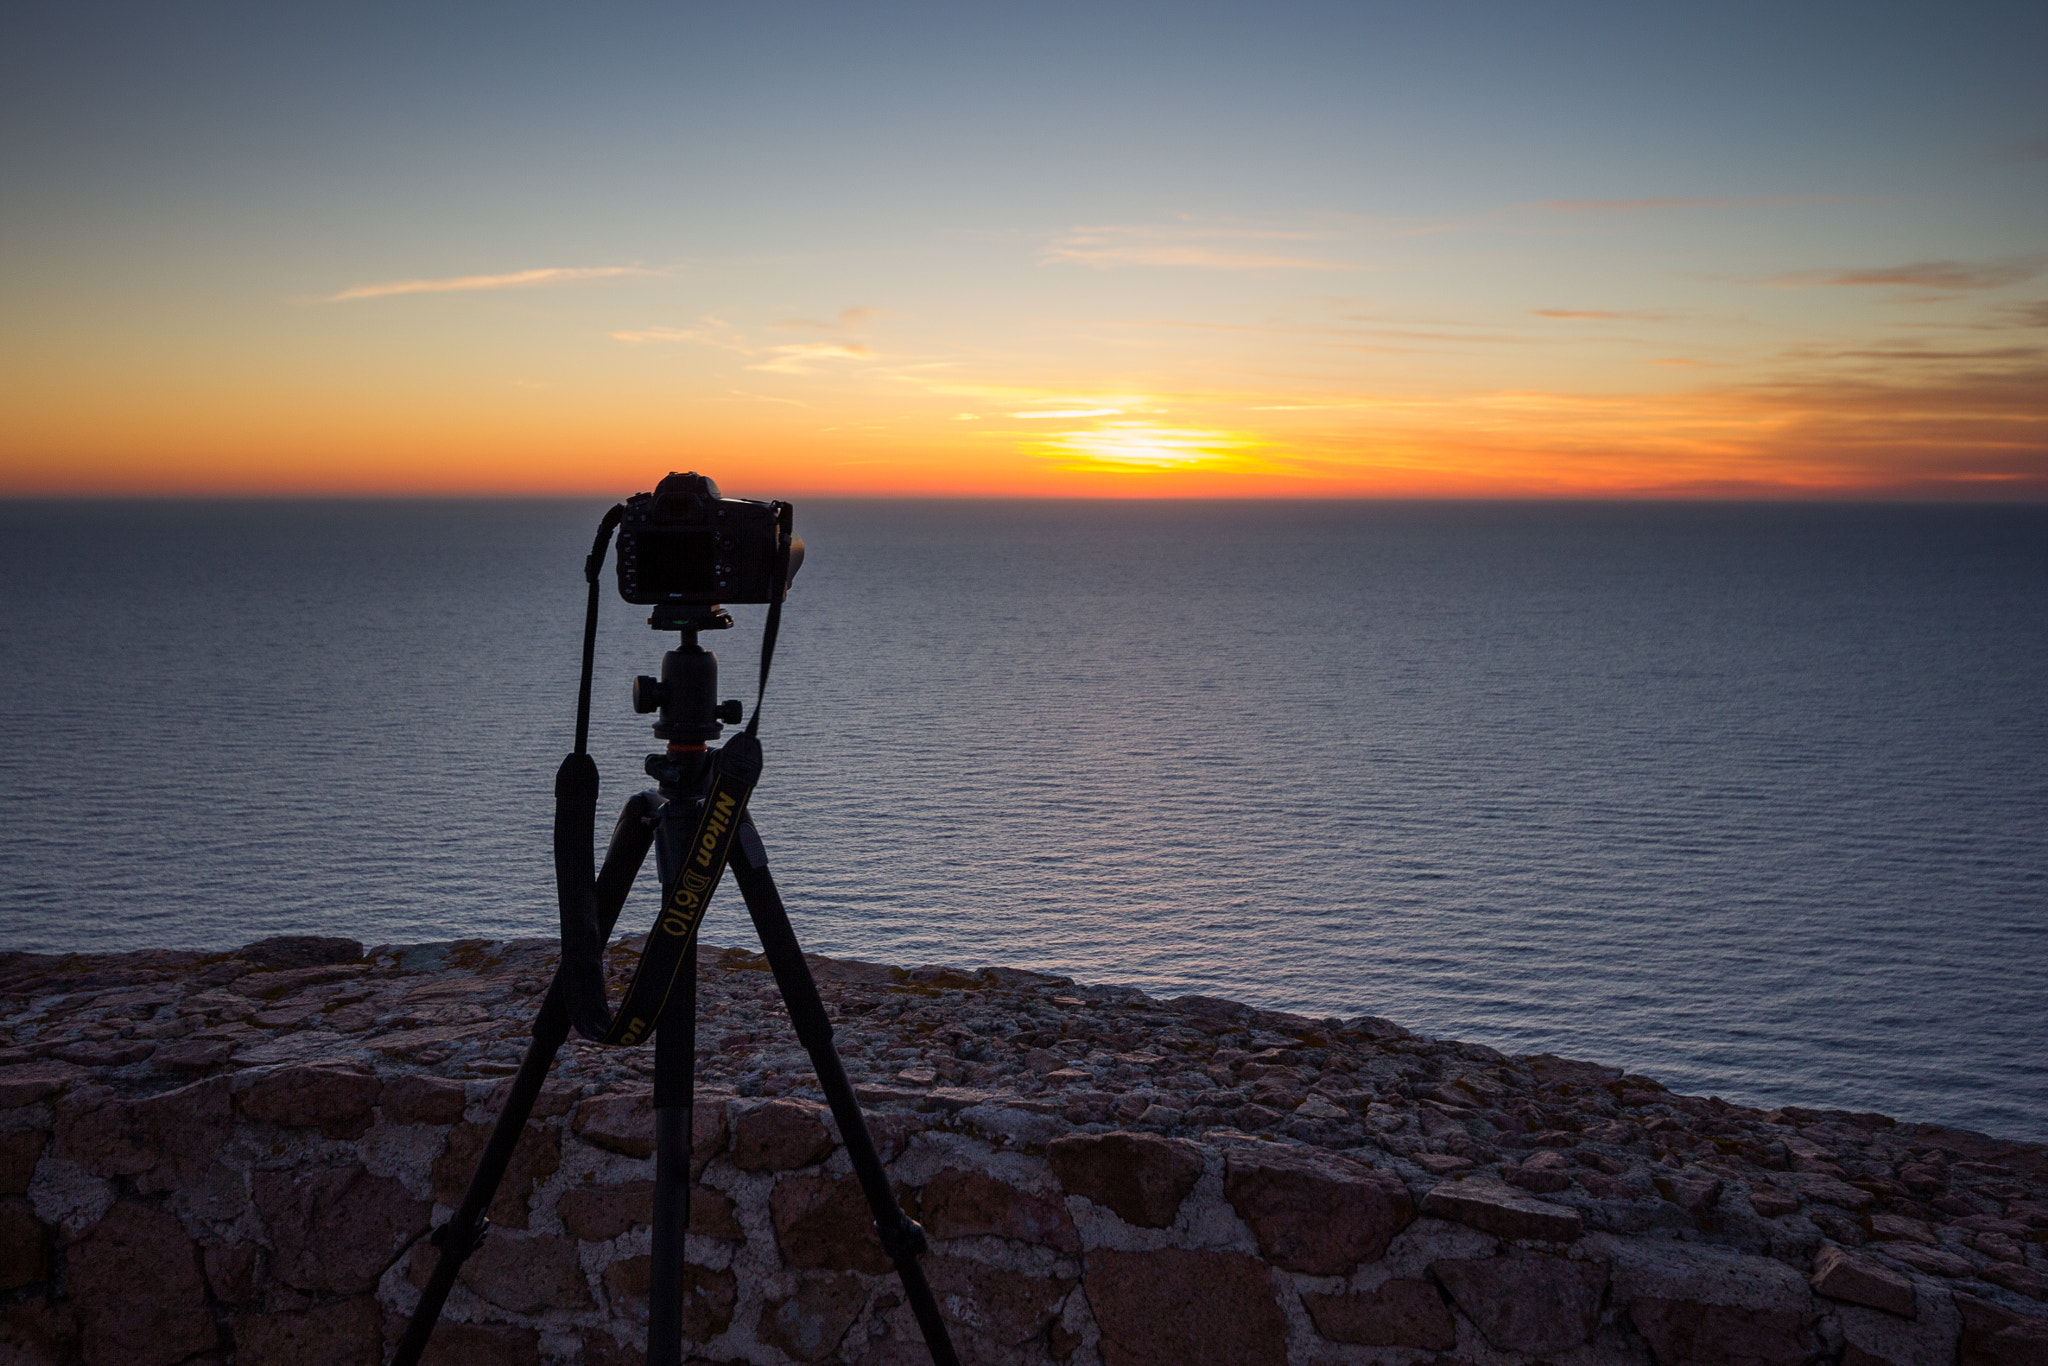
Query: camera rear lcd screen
point(677, 562)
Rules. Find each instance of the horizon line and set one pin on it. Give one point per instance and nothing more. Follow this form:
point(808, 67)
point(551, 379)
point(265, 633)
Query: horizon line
point(1924, 497)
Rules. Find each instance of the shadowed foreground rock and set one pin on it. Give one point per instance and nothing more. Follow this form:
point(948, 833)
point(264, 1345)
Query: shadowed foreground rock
point(233, 1159)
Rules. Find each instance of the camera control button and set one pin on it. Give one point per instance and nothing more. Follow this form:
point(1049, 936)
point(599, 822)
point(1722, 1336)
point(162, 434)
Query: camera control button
point(648, 693)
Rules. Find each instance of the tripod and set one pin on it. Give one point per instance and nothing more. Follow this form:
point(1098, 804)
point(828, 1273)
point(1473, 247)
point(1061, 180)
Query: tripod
point(678, 819)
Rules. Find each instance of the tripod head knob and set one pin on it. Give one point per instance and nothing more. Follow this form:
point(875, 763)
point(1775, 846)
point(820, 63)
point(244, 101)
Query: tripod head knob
point(651, 694)
point(686, 695)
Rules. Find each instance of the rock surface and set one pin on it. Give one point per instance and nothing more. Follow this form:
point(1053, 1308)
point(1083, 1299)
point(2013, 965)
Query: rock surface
point(234, 1159)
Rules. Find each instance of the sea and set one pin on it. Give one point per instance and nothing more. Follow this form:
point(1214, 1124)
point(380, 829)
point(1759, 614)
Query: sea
point(1752, 798)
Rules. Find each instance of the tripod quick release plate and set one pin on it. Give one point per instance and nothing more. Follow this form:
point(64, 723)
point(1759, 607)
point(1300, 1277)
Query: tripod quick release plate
point(679, 616)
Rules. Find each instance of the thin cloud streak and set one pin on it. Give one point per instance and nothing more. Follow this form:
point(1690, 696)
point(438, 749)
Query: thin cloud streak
point(1068, 412)
point(804, 357)
point(518, 279)
point(849, 319)
point(1943, 275)
point(648, 335)
point(1761, 201)
point(1904, 353)
point(1599, 315)
point(1974, 434)
point(794, 358)
point(1198, 246)
point(1196, 258)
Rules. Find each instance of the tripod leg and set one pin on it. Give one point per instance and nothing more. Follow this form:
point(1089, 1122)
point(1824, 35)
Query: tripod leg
point(901, 1237)
point(624, 855)
point(675, 1056)
point(462, 1233)
point(675, 1061)
point(465, 1230)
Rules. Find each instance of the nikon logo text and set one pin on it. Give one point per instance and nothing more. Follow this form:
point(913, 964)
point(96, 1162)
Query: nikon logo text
point(717, 822)
point(686, 904)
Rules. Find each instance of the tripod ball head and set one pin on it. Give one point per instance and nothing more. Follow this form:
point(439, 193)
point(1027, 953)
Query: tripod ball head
point(650, 694)
point(686, 696)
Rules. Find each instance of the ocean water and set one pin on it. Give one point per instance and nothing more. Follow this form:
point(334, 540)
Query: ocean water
point(1751, 798)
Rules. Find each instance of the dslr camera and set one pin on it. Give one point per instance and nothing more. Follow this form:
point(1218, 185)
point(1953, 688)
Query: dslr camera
point(684, 550)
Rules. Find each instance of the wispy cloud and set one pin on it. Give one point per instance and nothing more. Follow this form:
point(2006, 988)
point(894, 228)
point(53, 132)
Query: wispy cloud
point(518, 279)
point(1188, 245)
point(769, 398)
point(2032, 151)
point(650, 335)
point(1067, 412)
point(1194, 258)
point(1939, 275)
point(1629, 205)
point(1983, 426)
point(848, 320)
point(803, 358)
point(1599, 314)
point(1694, 202)
point(1942, 431)
point(1988, 355)
point(794, 358)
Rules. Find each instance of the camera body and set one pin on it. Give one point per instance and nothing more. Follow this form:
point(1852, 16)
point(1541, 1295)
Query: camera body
point(684, 546)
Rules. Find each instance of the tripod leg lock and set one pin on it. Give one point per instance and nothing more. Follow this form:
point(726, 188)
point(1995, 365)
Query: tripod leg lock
point(903, 1239)
point(459, 1242)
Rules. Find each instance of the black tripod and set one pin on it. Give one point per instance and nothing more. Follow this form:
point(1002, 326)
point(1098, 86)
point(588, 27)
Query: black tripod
point(694, 806)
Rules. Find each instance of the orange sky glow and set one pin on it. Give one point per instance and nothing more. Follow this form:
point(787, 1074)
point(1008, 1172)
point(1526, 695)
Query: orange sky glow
point(1329, 254)
point(1958, 437)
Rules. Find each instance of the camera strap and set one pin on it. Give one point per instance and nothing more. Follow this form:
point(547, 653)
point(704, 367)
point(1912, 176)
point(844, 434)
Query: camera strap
point(735, 769)
point(579, 979)
point(593, 567)
point(785, 521)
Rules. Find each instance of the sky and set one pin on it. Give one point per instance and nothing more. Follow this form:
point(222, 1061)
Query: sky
point(1272, 249)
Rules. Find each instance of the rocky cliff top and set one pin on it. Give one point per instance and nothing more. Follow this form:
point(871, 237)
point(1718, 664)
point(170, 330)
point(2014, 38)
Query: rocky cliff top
point(326, 1045)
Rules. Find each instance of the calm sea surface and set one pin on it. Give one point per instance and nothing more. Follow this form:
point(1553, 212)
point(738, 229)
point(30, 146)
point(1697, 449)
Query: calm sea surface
point(1751, 798)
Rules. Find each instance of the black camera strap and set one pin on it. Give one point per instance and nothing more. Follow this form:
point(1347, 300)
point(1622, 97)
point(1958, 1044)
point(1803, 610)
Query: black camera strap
point(580, 975)
point(785, 521)
point(735, 769)
point(593, 568)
